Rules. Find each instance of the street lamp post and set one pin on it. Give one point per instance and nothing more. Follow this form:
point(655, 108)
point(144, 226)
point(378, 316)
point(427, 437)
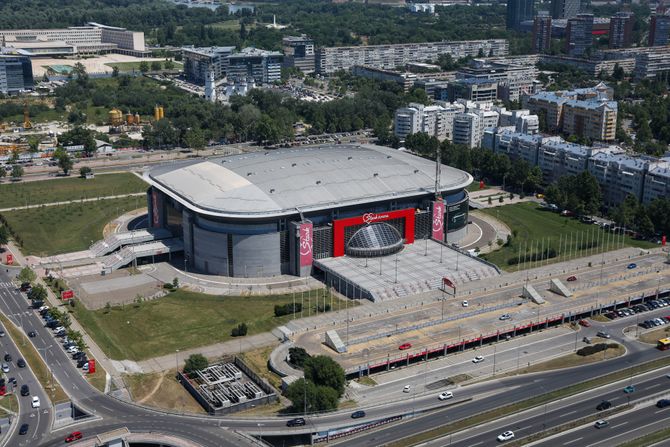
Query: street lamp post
point(176, 359)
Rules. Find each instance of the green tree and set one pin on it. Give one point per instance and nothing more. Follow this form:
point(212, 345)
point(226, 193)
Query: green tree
point(64, 161)
point(115, 72)
point(37, 293)
point(156, 66)
point(17, 172)
point(306, 396)
point(144, 66)
point(4, 235)
point(168, 64)
point(324, 371)
point(84, 171)
point(195, 362)
point(34, 144)
point(79, 136)
point(3, 172)
point(298, 356)
point(195, 139)
point(26, 275)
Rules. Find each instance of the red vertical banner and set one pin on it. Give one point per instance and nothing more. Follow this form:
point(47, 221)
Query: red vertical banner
point(91, 366)
point(154, 209)
point(438, 220)
point(306, 244)
point(481, 184)
point(9, 260)
point(663, 242)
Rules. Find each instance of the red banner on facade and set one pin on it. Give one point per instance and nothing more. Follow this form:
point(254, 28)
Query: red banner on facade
point(306, 244)
point(67, 294)
point(154, 209)
point(368, 218)
point(438, 220)
point(663, 241)
point(9, 260)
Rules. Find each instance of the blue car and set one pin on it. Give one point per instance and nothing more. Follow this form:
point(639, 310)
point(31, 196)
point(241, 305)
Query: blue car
point(632, 266)
point(629, 389)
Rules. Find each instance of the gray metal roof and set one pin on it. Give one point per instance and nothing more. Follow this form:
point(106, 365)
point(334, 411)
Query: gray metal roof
point(281, 182)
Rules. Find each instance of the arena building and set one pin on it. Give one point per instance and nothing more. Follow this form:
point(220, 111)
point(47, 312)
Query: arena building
point(274, 212)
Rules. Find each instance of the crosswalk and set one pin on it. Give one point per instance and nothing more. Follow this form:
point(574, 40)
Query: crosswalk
point(7, 285)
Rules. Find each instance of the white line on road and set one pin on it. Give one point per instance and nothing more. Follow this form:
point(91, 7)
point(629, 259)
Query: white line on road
point(567, 414)
point(479, 443)
point(655, 385)
point(619, 425)
point(574, 440)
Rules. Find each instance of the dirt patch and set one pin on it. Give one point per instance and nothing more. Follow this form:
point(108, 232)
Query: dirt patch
point(257, 360)
point(161, 390)
point(653, 336)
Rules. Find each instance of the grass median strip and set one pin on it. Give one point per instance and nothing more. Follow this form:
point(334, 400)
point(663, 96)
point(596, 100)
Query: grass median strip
point(32, 357)
point(650, 439)
point(523, 405)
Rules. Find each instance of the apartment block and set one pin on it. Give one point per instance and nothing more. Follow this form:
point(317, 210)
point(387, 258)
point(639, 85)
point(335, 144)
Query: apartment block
point(264, 67)
point(558, 158)
point(200, 61)
point(467, 129)
point(618, 174)
point(473, 89)
point(579, 35)
point(406, 79)
point(519, 11)
point(659, 30)
point(621, 30)
point(513, 80)
point(657, 181)
point(564, 9)
point(651, 65)
point(435, 120)
point(542, 33)
point(332, 59)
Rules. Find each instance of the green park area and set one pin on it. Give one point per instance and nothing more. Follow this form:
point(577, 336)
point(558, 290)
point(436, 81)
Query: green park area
point(50, 230)
point(126, 67)
point(541, 236)
point(69, 188)
point(183, 320)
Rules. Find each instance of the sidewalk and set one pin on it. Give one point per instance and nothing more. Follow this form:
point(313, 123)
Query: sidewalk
point(67, 202)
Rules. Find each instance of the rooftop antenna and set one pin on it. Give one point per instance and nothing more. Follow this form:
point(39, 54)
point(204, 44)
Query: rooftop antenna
point(438, 168)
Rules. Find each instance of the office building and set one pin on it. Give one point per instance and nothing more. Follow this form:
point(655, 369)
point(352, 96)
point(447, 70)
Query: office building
point(651, 65)
point(406, 80)
point(264, 67)
point(198, 62)
point(473, 89)
point(621, 30)
point(332, 59)
point(659, 30)
point(93, 38)
point(564, 9)
point(519, 11)
point(579, 35)
point(16, 74)
point(542, 33)
point(299, 53)
point(513, 80)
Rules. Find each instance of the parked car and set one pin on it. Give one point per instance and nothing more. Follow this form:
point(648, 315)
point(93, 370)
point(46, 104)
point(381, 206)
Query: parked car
point(72, 349)
point(584, 323)
point(632, 265)
point(506, 436)
point(572, 278)
point(504, 317)
point(32, 334)
point(358, 414)
point(465, 303)
point(663, 403)
point(404, 346)
point(586, 340)
point(74, 436)
point(5, 368)
point(82, 361)
point(604, 405)
point(445, 395)
point(8, 358)
point(297, 422)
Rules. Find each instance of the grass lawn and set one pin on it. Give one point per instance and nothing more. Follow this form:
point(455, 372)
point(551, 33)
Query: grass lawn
point(32, 357)
point(180, 320)
point(58, 229)
point(536, 226)
point(257, 360)
point(161, 390)
point(474, 186)
point(654, 336)
point(68, 188)
point(8, 405)
point(571, 360)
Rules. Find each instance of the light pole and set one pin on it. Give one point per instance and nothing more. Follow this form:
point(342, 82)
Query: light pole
point(260, 434)
point(176, 359)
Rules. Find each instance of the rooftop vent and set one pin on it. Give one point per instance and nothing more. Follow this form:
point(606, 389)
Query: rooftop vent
point(350, 158)
point(272, 190)
point(416, 171)
point(376, 174)
point(318, 182)
point(249, 174)
point(293, 165)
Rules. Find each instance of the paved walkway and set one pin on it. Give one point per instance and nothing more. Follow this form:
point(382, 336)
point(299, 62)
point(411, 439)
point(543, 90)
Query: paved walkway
point(481, 198)
point(500, 229)
point(67, 202)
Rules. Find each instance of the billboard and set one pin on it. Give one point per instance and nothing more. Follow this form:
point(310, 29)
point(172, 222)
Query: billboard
point(91, 366)
point(306, 243)
point(67, 294)
point(154, 209)
point(438, 220)
point(368, 218)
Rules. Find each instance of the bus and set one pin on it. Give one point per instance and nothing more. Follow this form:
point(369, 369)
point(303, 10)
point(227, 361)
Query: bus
point(663, 344)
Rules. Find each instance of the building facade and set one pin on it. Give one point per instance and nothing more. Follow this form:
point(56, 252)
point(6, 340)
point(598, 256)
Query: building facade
point(659, 30)
point(579, 35)
point(332, 59)
point(299, 53)
point(618, 175)
point(564, 9)
point(657, 181)
point(621, 30)
point(264, 67)
point(198, 62)
point(542, 33)
point(16, 74)
point(519, 11)
point(473, 89)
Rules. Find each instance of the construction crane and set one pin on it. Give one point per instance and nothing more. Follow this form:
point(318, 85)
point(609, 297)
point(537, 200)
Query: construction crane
point(27, 124)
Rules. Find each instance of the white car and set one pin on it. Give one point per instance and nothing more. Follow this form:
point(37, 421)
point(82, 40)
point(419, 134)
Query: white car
point(59, 329)
point(43, 308)
point(445, 395)
point(478, 359)
point(506, 436)
point(465, 303)
point(72, 349)
point(407, 389)
point(36, 402)
point(5, 368)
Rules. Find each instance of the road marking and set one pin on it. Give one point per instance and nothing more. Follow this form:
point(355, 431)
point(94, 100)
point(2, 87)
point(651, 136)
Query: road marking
point(569, 413)
point(654, 386)
point(659, 411)
point(619, 425)
point(479, 443)
point(574, 440)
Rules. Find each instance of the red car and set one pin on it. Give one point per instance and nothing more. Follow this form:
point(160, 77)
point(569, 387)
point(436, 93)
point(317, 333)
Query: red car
point(74, 436)
point(572, 278)
point(584, 323)
point(404, 346)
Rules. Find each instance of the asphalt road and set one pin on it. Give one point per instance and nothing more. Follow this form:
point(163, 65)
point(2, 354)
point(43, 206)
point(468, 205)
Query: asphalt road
point(38, 419)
